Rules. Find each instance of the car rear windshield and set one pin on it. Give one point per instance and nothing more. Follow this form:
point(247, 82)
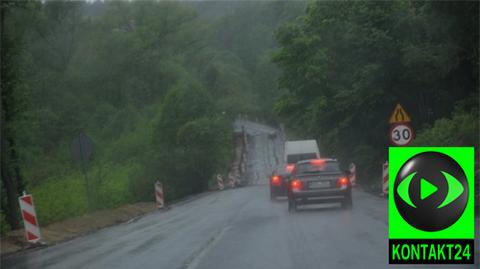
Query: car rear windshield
point(294, 158)
point(329, 166)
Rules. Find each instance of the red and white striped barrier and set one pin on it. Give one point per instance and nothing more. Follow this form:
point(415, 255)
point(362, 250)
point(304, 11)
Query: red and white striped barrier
point(231, 181)
point(353, 174)
point(159, 195)
point(30, 221)
point(220, 182)
point(385, 178)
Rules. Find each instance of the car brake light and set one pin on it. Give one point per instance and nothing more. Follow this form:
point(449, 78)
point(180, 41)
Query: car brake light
point(290, 167)
point(276, 180)
point(296, 184)
point(317, 162)
point(343, 182)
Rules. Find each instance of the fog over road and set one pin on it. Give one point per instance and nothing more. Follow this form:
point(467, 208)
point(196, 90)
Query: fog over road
point(234, 229)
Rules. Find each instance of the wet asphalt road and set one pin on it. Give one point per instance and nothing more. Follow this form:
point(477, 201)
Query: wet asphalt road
point(235, 229)
point(238, 228)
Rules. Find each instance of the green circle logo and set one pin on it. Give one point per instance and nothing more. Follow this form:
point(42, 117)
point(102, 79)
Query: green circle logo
point(431, 191)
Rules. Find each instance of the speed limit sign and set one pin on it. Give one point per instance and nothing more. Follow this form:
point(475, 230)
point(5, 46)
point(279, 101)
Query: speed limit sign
point(401, 134)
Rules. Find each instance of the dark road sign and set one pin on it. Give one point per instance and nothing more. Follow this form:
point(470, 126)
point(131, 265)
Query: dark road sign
point(82, 148)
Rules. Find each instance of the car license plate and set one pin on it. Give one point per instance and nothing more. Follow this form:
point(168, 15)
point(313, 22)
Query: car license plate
point(319, 184)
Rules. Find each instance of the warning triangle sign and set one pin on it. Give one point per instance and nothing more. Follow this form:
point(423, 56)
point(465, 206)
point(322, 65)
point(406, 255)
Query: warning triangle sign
point(399, 115)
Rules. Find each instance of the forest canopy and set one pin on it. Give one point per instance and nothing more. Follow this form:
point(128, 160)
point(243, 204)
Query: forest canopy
point(157, 84)
point(345, 65)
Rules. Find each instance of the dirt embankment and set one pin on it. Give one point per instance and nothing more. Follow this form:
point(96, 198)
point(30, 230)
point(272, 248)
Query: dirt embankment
point(14, 241)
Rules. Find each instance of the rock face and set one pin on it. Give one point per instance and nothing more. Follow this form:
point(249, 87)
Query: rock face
point(258, 148)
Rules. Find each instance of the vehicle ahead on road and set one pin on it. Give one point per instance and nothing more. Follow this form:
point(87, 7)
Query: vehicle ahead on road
point(318, 181)
point(279, 182)
point(300, 150)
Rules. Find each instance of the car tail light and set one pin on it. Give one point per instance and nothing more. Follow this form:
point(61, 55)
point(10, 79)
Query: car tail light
point(290, 167)
point(343, 182)
point(296, 185)
point(317, 162)
point(276, 180)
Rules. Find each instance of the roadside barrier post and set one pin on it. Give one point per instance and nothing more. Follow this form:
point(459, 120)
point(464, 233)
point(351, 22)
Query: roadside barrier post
point(29, 216)
point(220, 182)
point(231, 181)
point(385, 179)
point(353, 174)
point(159, 198)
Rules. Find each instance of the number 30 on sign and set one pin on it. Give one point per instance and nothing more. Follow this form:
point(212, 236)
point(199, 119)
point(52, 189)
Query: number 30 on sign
point(401, 134)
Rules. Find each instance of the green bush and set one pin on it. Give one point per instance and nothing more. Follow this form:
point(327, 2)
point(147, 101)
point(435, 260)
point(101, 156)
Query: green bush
point(204, 142)
point(59, 198)
point(368, 164)
point(4, 227)
point(461, 129)
point(113, 190)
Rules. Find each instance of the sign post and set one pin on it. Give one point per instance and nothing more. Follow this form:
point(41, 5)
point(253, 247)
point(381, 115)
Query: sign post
point(82, 151)
point(401, 134)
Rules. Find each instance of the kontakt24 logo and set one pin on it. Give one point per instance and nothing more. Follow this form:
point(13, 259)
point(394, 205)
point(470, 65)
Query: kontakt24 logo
point(431, 205)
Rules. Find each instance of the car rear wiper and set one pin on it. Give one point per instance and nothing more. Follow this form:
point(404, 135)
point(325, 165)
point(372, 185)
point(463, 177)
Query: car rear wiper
point(310, 172)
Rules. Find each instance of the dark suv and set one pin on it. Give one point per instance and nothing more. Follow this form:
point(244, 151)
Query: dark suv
point(318, 181)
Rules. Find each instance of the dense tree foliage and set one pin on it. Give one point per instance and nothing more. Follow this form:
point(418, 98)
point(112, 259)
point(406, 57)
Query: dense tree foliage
point(155, 85)
point(346, 64)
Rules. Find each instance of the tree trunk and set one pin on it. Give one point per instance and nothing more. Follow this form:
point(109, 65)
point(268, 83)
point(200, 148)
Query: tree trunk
point(11, 206)
point(10, 174)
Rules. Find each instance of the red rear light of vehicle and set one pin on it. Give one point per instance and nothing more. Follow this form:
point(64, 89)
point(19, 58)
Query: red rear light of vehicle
point(296, 185)
point(276, 180)
point(343, 182)
point(290, 167)
point(317, 162)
